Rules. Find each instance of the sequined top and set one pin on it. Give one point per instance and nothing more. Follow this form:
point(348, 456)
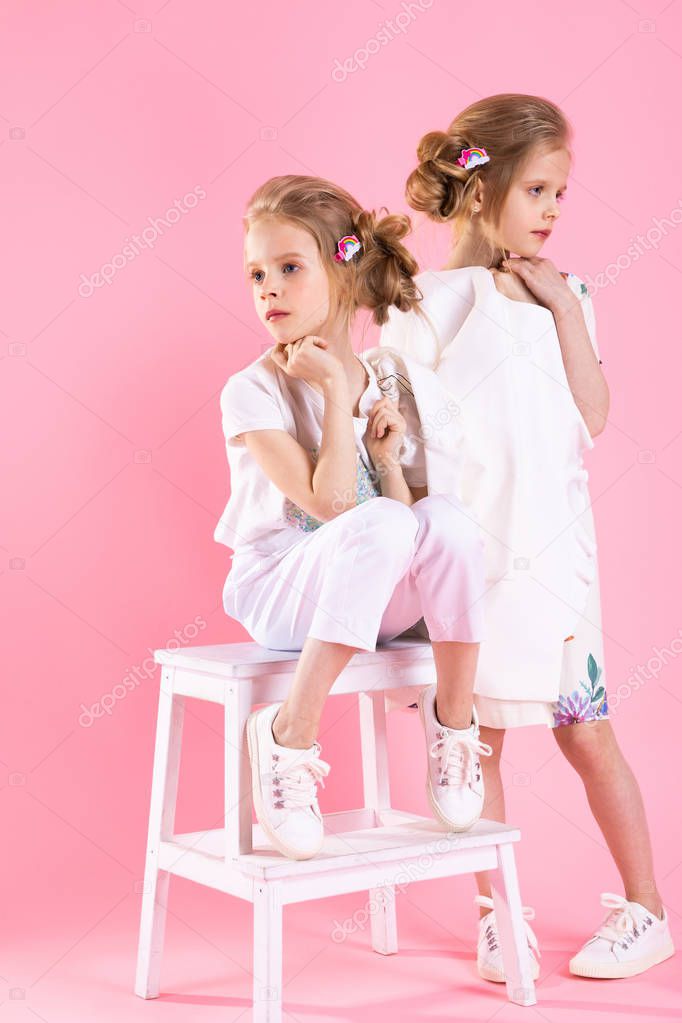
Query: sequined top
point(368, 486)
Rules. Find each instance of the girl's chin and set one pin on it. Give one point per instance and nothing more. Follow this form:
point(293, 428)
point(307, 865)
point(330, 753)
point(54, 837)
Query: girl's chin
point(282, 336)
point(527, 251)
point(289, 336)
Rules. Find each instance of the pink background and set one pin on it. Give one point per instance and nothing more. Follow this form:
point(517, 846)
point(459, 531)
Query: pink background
point(116, 469)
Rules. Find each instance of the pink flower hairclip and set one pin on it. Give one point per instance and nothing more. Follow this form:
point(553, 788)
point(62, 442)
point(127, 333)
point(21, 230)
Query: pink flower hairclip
point(347, 247)
point(473, 157)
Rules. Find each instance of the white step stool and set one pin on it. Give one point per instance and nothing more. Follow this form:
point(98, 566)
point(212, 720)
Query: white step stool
point(375, 849)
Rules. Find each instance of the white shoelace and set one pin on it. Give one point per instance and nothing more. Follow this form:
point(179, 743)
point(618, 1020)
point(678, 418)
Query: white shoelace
point(296, 783)
point(457, 756)
point(621, 922)
point(528, 914)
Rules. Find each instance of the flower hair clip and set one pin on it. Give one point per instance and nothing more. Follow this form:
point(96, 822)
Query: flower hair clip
point(473, 157)
point(347, 247)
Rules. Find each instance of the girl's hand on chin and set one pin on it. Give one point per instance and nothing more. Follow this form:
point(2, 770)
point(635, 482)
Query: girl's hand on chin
point(307, 359)
point(542, 278)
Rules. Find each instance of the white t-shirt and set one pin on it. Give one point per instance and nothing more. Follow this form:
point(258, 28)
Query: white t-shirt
point(258, 518)
point(447, 317)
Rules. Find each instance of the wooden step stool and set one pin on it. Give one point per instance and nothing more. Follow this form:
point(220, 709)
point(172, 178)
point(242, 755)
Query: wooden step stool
point(376, 848)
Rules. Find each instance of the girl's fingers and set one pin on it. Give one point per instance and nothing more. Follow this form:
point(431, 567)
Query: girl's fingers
point(389, 419)
point(381, 403)
point(378, 427)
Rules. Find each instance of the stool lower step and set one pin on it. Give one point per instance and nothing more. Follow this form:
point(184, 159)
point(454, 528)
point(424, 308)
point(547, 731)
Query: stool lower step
point(350, 858)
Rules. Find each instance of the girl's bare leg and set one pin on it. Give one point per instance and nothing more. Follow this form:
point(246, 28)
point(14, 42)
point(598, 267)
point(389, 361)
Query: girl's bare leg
point(493, 805)
point(456, 671)
point(616, 802)
point(320, 663)
point(298, 720)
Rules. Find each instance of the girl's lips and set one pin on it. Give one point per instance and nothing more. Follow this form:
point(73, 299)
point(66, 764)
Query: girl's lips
point(276, 316)
point(543, 234)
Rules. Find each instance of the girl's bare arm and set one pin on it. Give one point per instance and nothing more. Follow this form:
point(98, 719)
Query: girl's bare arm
point(328, 487)
point(585, 378)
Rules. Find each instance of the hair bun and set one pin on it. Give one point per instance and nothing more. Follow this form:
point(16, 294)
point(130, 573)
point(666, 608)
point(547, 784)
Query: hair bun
point(385, 275)
point(438, 185)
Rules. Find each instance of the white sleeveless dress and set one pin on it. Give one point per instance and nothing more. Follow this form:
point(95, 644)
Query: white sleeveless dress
point(523, 477)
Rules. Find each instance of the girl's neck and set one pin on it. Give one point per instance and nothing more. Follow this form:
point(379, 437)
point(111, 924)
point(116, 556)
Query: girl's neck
point(472, 248)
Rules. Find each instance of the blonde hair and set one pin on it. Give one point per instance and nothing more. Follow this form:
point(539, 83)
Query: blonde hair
point(380, 275)
point(509, 126)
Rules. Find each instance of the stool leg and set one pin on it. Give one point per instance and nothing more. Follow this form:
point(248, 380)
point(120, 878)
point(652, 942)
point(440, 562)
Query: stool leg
point(238, 788)
point(267, 953)
point(373, 745)
point(375, 780)
point(161, 824)
point(510, 923)
point(383, 922)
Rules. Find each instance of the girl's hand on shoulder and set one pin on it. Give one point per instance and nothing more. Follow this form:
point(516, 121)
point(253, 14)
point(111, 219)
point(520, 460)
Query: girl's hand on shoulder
point(383, 438)
point(307, 359)
point(542, 278)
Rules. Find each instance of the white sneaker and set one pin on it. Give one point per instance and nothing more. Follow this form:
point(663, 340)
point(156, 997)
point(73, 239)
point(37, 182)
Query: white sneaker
point(284, 787)
point(453, 778)
point(489, 955)
point(629, 941)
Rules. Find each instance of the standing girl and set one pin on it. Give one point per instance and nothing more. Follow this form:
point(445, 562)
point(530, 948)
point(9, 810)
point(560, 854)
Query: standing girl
point(514, 340)
point(336, 545)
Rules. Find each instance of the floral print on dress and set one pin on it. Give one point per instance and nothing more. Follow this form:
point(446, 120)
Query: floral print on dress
point(583, 286)
point(588, 703)
point(367, 486)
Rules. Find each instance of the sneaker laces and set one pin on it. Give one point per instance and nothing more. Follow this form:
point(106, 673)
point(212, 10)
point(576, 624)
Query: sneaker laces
point(527, 912)
point(457, 754)
point(620, 922)
point(295, 783)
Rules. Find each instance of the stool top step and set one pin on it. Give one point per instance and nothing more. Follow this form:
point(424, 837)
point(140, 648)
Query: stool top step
point(235, 660)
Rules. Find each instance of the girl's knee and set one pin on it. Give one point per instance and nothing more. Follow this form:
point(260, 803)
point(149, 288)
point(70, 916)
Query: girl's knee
point(383, 528)
point(586, 744)
point(453, 526)
point(394, 521)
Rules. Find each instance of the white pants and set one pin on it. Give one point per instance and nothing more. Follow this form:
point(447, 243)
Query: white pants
point(367, 576)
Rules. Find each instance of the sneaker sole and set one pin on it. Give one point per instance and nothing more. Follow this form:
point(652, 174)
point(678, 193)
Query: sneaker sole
point(429, 791)
point(258, 802)
point(498, 977)
point(615, 971)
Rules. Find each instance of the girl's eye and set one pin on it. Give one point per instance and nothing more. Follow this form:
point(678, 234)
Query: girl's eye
point(536, 189)
point(257, 275)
